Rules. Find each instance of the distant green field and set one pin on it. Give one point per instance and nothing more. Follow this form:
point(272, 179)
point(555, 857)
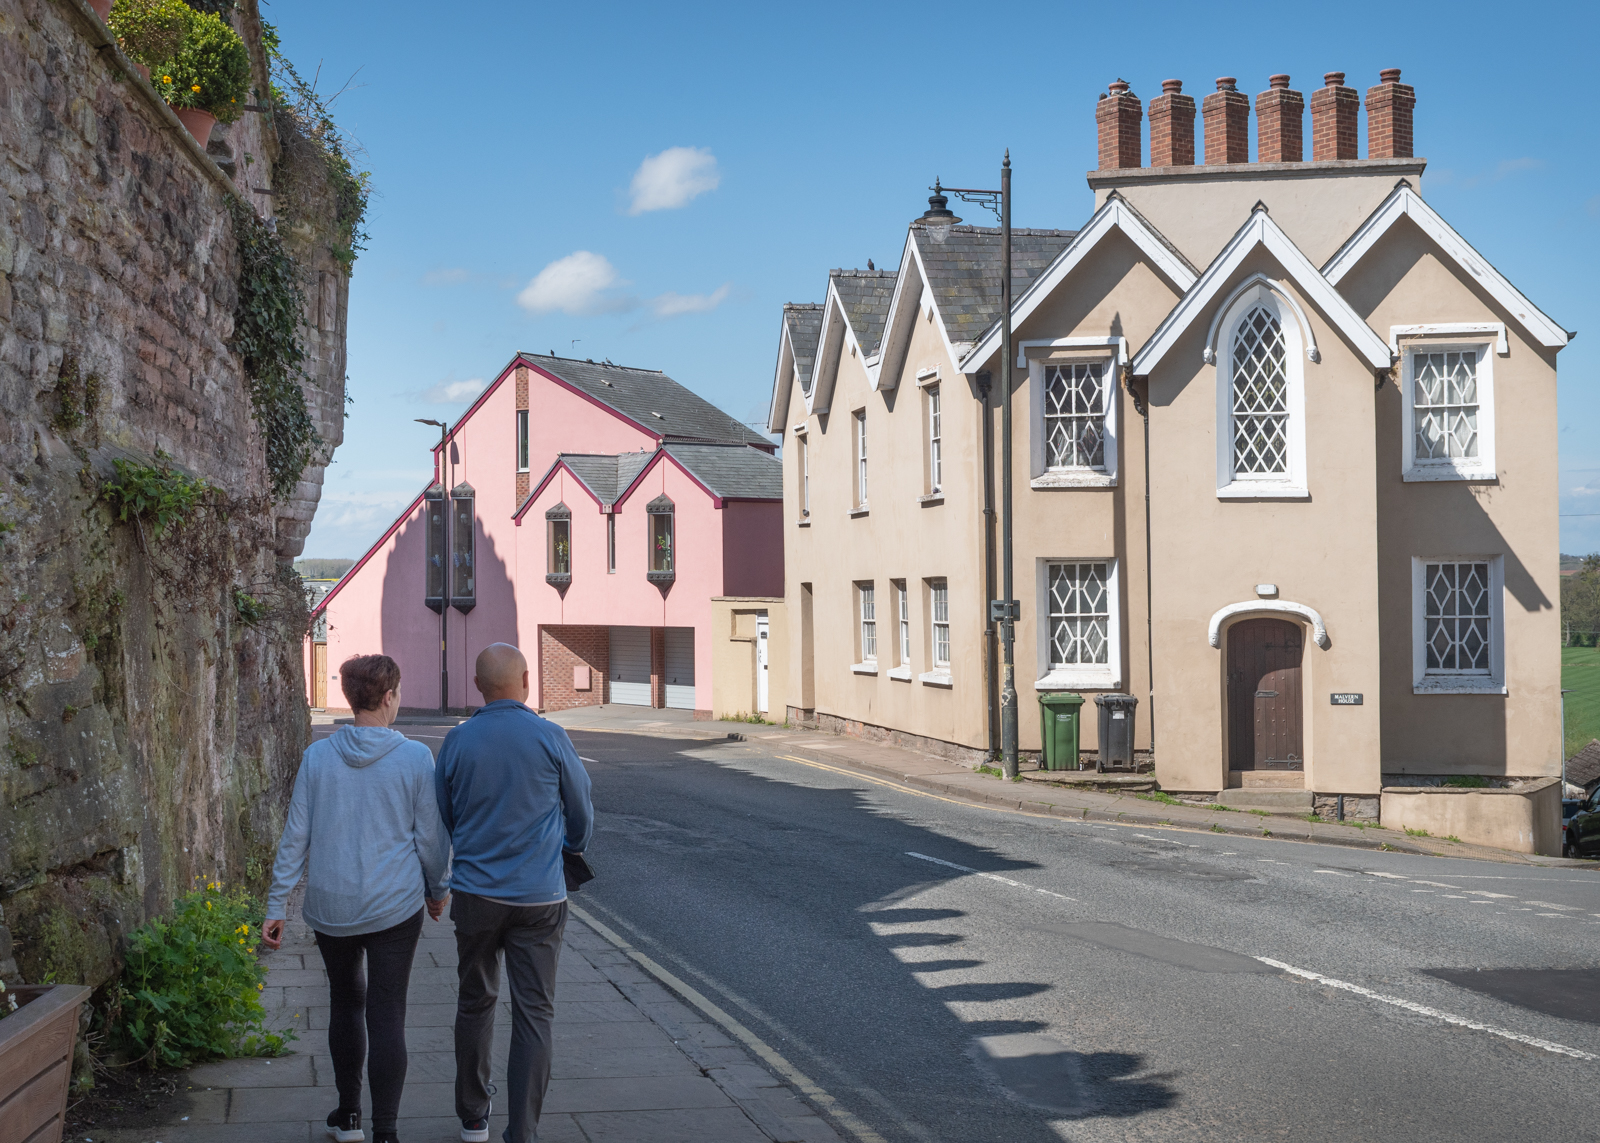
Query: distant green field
point(1580, 674)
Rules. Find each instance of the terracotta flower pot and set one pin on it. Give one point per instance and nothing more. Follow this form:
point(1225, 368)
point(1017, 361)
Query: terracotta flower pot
point(36, 1043)
point(102, 8)
point(199, 123)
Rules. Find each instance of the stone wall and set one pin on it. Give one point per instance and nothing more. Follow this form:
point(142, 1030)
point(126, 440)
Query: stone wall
point(148, 734)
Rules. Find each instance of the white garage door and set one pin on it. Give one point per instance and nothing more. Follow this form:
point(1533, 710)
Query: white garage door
point(680, 668)
point(630, 666)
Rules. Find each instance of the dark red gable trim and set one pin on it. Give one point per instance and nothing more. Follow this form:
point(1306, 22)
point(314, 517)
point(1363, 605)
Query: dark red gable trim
point(362, 562)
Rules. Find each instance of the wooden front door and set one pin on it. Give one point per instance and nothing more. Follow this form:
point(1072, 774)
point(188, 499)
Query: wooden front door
point(319, 676)
point(1264, 712)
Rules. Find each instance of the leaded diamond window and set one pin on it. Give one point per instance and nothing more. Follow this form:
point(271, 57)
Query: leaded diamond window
point(1074, 416)
point(1260, 396)
point(1080, 614)
point(1456, 611)
point(1445, 396)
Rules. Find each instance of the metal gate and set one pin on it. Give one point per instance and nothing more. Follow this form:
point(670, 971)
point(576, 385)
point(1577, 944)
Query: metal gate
point(680, 668)
point(630, 666)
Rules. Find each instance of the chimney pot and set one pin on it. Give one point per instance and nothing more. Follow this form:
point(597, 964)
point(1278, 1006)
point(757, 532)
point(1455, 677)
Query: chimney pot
point(1333, 79)
point(1390, 109)
point(1227, 83)
point(1280, 115)
point(1117, 118)
point(1172, 126)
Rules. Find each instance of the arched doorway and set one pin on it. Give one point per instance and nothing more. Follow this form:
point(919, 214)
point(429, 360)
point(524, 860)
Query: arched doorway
point(1264, 707)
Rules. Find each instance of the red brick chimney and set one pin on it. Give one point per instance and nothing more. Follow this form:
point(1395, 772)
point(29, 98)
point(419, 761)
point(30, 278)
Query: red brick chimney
point(1280, 114)
point(1227, 115)
point(1118, 116)
point(1389, 113)
point(1334, 111)
point(1172, 126)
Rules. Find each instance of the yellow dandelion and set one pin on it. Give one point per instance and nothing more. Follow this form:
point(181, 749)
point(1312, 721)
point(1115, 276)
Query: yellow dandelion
point(259, 987)
point(196, 87)
point(208, 905)
point(166, 79)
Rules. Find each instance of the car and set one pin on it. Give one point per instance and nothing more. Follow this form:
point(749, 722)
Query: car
point(1580, 835)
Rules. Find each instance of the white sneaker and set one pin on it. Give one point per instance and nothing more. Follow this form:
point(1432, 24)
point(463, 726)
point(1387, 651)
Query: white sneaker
point(345, 1128)
point(477, 1130)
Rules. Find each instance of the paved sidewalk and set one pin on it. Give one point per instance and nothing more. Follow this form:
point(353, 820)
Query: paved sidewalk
point(633, 1063)
point(1033, 794)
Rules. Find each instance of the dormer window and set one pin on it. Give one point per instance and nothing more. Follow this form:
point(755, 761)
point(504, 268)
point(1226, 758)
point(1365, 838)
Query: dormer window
point(558, 546)
point(1449, 412)
point(662, 559)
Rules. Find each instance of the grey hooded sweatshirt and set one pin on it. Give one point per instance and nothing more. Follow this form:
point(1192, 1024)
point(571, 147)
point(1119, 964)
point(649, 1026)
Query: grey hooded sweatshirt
point(364, 827)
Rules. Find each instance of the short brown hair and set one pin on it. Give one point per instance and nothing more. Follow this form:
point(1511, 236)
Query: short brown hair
point(365, 679)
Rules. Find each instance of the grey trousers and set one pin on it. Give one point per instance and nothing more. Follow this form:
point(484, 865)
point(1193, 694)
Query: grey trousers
point(530, 938)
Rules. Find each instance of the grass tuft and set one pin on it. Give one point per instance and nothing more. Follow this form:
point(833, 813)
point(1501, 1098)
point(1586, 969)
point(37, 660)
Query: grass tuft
point(1417, 832)
point(1164, 798)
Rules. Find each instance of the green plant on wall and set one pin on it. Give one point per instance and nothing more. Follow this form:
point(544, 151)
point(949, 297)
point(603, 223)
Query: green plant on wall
point(266, 335)
point(211, 71)
point(304, 119)
point(150, 31)
point(191, 988)
point(250, 610)
point(77, 396)
point(155, 491)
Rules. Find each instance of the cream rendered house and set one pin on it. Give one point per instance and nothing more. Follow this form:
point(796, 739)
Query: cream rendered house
point(1285, 468)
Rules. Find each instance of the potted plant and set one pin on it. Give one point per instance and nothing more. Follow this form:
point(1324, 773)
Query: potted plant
point(151, 32)
point(209, 77)
point(38, 1031)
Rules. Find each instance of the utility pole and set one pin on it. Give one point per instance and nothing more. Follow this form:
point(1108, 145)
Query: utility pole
point(446, 511)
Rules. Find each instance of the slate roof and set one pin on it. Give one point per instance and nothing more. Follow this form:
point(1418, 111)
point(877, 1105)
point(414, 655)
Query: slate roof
point(1583, 768)
point(804, 323)
point(650, 398)
point(732, 472)
point(964, 271)
point(606, 476)
point(865, 295)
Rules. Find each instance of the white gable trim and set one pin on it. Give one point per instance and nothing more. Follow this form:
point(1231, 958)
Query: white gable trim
point(825, 366)
point(1260, 230)
point(1114, 215)
point(1313, 354)
point(1405, 202)
point(777, 410)
point(1319, 630)
point(884, 373)
point(1498, 328)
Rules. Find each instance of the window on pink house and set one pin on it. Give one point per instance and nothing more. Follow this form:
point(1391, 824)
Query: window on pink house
point(662, 562)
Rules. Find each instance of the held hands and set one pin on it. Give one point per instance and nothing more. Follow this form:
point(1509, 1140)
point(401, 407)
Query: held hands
point(272, 934)
point(436, 908)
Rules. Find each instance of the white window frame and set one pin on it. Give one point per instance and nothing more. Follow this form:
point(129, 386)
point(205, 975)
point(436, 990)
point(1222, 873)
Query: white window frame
point(1289, 485)
point(1491, 682)
point(522, 440)
point(1036, 355)
point(803, 441)
point(611, 543)
point(1085, 676)
point(1416, 469)
point(859, 417)
point(902, 598)
point(935, 400)
point(866, 612)
point(939, 675)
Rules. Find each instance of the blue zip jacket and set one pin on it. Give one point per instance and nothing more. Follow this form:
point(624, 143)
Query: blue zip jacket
point(513, 795)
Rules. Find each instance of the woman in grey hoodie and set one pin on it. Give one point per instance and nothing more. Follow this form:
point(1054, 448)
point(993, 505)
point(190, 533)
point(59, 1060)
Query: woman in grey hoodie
point(364, 829)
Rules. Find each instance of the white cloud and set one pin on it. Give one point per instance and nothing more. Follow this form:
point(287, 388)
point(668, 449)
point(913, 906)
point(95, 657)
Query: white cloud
point(574, 285)
point(453, 392)
point(670, 304)
point(673, 178)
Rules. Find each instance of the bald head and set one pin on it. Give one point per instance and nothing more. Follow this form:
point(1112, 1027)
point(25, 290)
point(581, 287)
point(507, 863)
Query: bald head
point(502, 673)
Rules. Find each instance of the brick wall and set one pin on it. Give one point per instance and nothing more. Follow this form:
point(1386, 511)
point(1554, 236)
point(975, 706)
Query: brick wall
point(524, 481)
point(563, 648)
point(658, 667)
point(1280, 123)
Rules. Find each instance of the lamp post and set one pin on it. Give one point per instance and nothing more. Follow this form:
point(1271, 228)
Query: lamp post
point(444, 575)
point(1006, 611)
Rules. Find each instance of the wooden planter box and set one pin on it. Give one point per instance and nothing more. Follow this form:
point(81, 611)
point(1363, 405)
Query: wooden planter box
point(36, 1043)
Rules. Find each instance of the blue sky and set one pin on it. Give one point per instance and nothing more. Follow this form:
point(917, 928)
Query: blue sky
point(515, 209)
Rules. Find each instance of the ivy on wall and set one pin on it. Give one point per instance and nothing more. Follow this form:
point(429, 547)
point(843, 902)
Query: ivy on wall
point(266, 335)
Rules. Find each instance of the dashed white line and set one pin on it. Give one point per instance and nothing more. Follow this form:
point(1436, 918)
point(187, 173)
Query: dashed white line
point(1424, 1010)
point(1553, 905)
point(990, 876)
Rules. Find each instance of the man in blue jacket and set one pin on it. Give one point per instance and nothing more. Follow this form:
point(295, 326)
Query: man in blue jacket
point(513, 796)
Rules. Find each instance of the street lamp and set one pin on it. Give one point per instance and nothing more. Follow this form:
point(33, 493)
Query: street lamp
point(444, 578)
point(938, 219)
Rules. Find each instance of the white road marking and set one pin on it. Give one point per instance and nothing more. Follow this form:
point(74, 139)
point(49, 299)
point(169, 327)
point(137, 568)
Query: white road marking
point(990, 876)
point(1486, 893)
point(1553, 905)
point(1335, 872)
point(1390, 876)
point(783, 1067)
point(591, 761)
point(1563, 916)
point(1424, 1010)
point(1435, 884)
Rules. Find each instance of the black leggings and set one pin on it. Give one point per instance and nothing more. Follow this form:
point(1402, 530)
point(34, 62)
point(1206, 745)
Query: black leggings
point(369, 1004)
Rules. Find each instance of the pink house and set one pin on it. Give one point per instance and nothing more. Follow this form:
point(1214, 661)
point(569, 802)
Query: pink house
point(586, 512)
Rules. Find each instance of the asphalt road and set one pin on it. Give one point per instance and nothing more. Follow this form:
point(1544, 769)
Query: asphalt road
point(950, 972)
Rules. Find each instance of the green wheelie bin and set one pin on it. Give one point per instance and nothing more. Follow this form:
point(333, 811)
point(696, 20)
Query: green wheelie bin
point(1058, 730)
